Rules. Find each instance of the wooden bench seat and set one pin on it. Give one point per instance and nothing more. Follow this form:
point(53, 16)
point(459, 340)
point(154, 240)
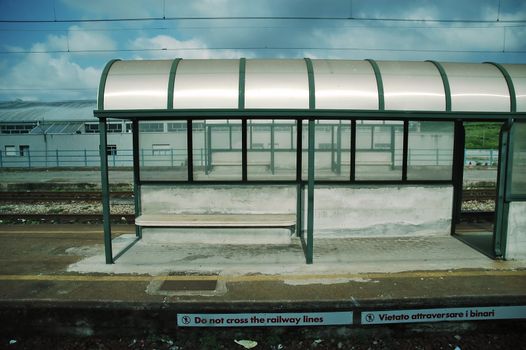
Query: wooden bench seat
point(217, 220)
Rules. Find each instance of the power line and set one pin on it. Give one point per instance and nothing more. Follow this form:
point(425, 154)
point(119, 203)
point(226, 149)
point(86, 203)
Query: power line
point(260, 48)
point(495, 25)
point(265, 18)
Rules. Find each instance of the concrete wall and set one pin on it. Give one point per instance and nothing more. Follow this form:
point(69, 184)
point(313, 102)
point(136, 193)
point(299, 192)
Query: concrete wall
point(516, 240)
point(218, 199)
point(340, 211)
point(382, 211)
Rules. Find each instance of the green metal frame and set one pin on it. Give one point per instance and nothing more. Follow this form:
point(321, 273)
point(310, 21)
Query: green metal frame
point(502, 205)
point(102, 84)
point(171, 83)
point(379, 84)
point(445, 82)
point(309, 254)
point(104, 181)
point(214, 114)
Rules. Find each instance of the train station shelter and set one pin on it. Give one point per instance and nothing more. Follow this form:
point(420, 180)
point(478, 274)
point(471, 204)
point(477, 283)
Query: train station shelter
point(314, 147)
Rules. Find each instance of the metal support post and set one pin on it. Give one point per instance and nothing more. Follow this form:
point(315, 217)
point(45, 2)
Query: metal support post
point(310, 194)
point(190, 150)
point(458, 172)
point(244, 151)
point(405, 153)
point(272, 147)
point(208, 143)
point(393, 135)
point(136, 175)
point(501, 205)
point(353, 150)
point(300, 203)
point(300, 187)
point(105, 191)
point(333, 151)
point(339, 148)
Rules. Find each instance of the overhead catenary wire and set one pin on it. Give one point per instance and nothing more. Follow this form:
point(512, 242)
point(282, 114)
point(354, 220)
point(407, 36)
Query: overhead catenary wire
point(255, 18)
point(261, 48)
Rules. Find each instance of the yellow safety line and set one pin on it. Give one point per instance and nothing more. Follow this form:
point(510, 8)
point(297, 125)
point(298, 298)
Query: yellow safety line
point(262, 278)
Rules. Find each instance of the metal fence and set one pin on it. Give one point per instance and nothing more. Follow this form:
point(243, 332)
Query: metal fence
point(177, 157)
point(481, 157)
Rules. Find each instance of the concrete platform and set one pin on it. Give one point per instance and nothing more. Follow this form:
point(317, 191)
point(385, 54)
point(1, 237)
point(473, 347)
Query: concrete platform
point(57, 272)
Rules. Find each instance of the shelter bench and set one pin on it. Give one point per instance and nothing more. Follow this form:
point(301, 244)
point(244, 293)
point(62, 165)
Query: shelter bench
point(218, 220)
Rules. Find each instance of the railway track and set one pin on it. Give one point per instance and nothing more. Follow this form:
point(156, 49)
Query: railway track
point(467, 195)
point(65, 218)
point(36, 197)
point(58, 196)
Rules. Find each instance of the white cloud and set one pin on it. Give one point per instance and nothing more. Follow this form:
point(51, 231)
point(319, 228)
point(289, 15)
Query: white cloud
point(80, 39)
point(193, 48)
point(56, 76)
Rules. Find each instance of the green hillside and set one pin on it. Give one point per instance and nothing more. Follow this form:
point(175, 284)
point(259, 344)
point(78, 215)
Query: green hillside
point(482, 135)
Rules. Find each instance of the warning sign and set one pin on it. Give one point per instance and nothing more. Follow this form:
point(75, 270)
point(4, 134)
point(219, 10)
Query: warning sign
point(265, 319)
point(445, 314)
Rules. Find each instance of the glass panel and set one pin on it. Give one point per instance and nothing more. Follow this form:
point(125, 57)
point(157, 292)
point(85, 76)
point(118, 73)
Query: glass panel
point(217, 150)
point(379, 150)
point(430, 151)
point(332, 150)
point(518, 179)
point(271, 149)
point(163, 155)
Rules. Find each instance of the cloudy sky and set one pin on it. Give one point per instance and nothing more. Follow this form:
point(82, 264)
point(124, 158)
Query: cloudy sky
point(56, 49)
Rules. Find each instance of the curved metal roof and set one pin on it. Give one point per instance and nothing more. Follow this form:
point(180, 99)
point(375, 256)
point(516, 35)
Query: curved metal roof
point(27, 111)
point(304, 84)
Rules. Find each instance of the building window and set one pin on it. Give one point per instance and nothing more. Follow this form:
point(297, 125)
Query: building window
point(177, 127)
point(10, 151)
point(114, 127)
point(17, 128)
point(129, 127)
point(111, 150)
point(198, 126)
point(151, 127)
point(92, 128)
point(24, 150)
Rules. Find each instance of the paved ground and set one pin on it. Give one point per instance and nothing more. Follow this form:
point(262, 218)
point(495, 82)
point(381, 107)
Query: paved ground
point(53, 281)
point(66, 263)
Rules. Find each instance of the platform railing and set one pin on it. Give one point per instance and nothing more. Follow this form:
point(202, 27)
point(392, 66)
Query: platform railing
point(175, 157)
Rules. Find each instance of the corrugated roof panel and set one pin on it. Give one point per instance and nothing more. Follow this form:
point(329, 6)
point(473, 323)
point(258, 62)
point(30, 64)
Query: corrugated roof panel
point(276, 84)
point(517, 73)
point(206, 84)
point(412, 86)
point(345, 84)
point(477, 88)
point(22, 111)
